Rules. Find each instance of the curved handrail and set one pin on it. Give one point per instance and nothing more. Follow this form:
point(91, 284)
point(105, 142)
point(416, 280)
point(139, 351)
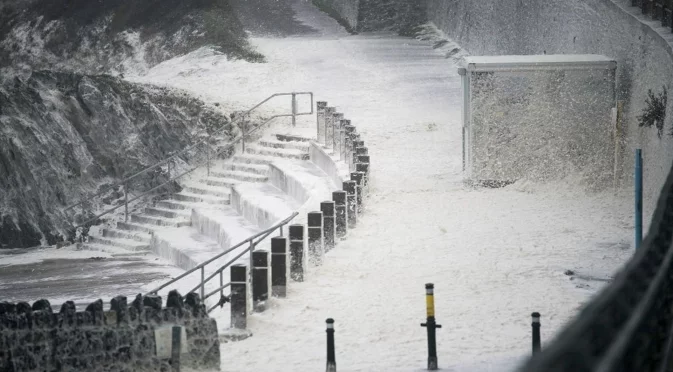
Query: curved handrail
point(250, 240)
point(173, 157)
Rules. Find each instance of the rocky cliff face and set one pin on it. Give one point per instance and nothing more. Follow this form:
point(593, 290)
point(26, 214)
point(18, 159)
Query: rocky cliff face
point(63, 135)
point(115, 35)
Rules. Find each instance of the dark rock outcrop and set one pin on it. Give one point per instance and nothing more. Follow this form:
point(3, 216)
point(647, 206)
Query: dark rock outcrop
point(115, 35)
point(65, 135)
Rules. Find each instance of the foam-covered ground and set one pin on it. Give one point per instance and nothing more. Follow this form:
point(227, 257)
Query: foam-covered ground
point(495, 256)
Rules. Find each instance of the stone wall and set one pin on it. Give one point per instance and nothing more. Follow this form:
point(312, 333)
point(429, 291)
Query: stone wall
point(375, 15)
point(35, 338)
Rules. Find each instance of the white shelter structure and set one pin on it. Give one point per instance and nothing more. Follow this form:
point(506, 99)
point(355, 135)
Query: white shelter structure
point(538, 117)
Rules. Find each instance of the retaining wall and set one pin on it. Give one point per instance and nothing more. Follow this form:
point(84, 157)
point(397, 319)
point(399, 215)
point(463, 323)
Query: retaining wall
point(35, 338)
point(325, 162)
point(645, 58)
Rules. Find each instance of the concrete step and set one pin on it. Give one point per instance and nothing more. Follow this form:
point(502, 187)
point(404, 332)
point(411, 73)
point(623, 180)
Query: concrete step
point(186, 196)
point(275, 144)
point(158, 221)
point(175, 204)
point(292, 138)
point(114, 251)
point(204, 189)
point(125, 234)
point(168, 213)
point(254, 159)
point(281, 153)
point(221, 182)
point(239, 176)
point(128, 244)
point(130, 226)
point(261, 169)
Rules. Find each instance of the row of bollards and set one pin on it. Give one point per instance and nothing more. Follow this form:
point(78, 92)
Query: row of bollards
point(270, 272)
point(431, 326)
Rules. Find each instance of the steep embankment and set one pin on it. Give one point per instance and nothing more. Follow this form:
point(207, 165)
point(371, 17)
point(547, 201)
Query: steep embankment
point(67, 133)
point(63, 135)
point(115, 35)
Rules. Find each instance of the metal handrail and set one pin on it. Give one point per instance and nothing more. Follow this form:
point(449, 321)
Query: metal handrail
point(201, 267)
point(173, 157)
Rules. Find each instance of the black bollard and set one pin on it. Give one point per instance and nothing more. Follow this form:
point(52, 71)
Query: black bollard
point(260, 279)
point(329, 224)
point(348, 148)
point(336, 120)
point(364, 168)
point(279, 266)
point(297, 256)
point(431, 326)
point(331, 354)
point(239, 296)
point(329, 126)
point(362, 159)
point(340, 212)
point(536, 332)
point(320, 109)
point(350, 187)
point(344, 136)
point(358, 177)
point(315, 238)
point(176, 336)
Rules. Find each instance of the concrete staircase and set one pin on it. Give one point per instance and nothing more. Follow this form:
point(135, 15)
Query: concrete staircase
point(212, 191)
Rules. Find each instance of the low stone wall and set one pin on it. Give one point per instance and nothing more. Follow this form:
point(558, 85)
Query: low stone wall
point(35, 338)
point(325, 162)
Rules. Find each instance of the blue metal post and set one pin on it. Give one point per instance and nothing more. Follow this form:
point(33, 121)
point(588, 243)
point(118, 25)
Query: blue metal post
point(639, 197)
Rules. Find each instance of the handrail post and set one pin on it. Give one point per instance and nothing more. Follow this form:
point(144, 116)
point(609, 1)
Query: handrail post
point(252, 249)
point(170, 187)
point(203, 284)
point(221, 284)
point(126, 202)
point(208, 156)
point(294, 109)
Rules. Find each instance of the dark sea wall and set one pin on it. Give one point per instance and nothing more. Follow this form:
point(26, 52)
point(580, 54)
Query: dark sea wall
point(64, 135)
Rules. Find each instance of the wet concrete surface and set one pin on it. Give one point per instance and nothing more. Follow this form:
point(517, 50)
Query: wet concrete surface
point(82, 280)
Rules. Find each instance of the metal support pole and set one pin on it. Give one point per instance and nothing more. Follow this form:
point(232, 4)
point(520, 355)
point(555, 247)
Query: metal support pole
point(203, 283)
point(208, 157)
point(251, 249)
point(170, 186)
point(294, 109)
point(536, 332)
point(221, 283)
point(639, 197)
point(175, 348)
point(431, 326)
point(331, 354)
point(126, 202)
